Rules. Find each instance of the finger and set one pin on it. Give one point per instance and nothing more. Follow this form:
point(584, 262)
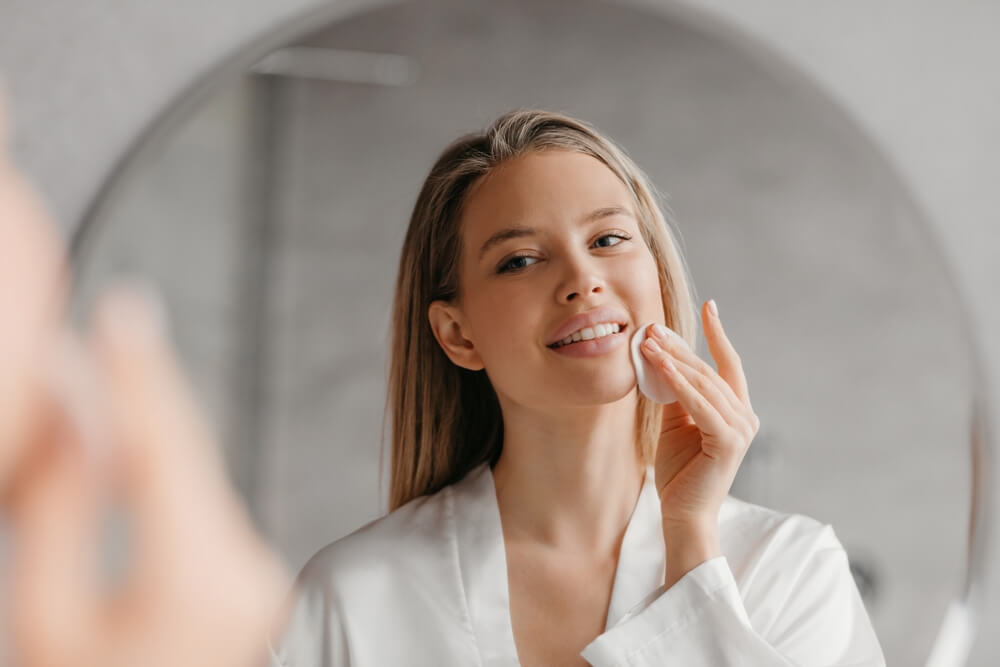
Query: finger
point(679, 349)
point(170, 472)
point(32, 268)
point(194, 537)
point(196, 549)
point(711, 390)
point(54, 508)
point(707, 387)
point(701, 409)
point(729, 362)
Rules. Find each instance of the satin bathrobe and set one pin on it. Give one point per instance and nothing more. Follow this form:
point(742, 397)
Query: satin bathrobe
point(427, 585)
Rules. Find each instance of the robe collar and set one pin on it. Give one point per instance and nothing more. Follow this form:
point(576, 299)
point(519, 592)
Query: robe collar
point(482, 561)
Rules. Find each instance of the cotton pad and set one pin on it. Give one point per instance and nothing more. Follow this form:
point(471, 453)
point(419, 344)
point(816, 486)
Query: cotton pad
point(650, 378)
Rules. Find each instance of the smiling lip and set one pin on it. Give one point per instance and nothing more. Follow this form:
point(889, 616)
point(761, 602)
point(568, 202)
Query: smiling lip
point(594, 347)
point(586, 319)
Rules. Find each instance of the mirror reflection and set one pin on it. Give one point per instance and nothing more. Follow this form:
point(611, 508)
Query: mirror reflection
point(273, 220)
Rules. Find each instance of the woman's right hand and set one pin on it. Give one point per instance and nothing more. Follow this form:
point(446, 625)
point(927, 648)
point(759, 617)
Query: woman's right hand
point(80, 416)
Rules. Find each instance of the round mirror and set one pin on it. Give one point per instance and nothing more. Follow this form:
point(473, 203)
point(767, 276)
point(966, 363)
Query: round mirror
point(268, 206)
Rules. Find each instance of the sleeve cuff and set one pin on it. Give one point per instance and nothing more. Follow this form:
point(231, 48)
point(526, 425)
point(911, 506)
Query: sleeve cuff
point(667, 611)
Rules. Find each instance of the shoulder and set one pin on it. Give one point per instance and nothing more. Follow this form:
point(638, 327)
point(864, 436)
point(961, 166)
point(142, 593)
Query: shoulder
point(348, 587)
point(394, 572)
point(384, 574)
point(393, 546)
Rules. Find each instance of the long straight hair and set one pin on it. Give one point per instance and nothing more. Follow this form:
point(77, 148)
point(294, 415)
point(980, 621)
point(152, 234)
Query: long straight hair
point(446, 420)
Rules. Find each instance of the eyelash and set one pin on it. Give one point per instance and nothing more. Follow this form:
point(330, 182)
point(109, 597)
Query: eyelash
point(502, 269)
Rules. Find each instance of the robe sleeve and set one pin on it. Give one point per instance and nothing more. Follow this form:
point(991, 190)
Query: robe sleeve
point(701, 621)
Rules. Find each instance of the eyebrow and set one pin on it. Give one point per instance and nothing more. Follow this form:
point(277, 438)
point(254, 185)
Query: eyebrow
point(521, 231)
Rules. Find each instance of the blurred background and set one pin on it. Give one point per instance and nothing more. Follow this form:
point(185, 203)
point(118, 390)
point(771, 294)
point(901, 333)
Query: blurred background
point(827, 165)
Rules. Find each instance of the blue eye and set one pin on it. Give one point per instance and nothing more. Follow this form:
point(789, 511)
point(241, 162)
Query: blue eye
point(503, 268)
point(617, 236)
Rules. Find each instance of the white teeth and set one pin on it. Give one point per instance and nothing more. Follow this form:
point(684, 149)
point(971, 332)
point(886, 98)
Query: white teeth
point(589, 333)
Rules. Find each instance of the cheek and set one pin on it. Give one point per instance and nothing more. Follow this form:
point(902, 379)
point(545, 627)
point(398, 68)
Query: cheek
point(653, 287)
point(500, 322)
point(510, 327)
point(643, 279)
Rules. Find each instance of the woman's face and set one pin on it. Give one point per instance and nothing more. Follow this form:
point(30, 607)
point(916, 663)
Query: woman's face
point(518, 291)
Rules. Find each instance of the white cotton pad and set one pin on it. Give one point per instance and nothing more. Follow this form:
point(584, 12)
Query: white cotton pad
point(650, 379)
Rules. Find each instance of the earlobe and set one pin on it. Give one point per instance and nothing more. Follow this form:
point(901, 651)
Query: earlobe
point(446, 324)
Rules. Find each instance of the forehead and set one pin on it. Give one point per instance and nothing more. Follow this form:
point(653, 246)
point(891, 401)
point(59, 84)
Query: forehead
point(541, 187)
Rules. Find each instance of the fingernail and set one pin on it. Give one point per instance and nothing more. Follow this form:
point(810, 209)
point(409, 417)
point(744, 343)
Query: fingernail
point(151, 306)
point(73, 380)
point(713, 308)
point(666, 332)
point(136, 304)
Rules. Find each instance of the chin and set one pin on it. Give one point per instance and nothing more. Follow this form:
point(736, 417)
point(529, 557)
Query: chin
point(598, 390)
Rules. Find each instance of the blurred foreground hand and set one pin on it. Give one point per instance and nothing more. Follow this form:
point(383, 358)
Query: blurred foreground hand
point(85, 417)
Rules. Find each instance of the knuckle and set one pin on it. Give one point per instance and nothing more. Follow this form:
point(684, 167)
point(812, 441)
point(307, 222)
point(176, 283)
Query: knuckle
point(698, 382)
point(748, 428)
point(735, 443)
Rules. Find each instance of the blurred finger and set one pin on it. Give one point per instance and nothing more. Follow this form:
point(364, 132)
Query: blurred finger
point(32, 267)
point(54, 507)
point(197, 554)
point(171, 472)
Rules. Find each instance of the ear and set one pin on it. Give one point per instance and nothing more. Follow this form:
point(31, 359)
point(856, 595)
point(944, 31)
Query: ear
point(446, 322)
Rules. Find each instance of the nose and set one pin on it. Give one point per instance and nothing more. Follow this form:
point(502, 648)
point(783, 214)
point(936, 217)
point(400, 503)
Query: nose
point(596, 289)
point(581, 281)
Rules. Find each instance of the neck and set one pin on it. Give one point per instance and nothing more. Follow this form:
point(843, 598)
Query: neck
point(571, 482)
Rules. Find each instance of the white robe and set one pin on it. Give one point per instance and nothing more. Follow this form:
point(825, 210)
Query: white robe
point(427, 585)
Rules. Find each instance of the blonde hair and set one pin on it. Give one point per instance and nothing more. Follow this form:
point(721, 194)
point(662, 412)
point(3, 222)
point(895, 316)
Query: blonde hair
point(446, 420)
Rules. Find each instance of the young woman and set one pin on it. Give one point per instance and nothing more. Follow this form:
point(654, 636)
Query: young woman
point(544, 510)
